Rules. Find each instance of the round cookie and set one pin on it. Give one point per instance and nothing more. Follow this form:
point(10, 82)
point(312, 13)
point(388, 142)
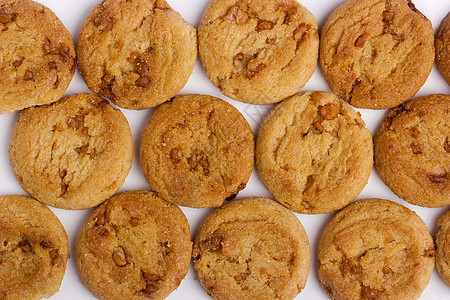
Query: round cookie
point(72, 154)
point(137, 53)
point(252, 248)
point(375, 249)
point(37, 55)
point(258, 51)
point(314, 153)
point(376, 54)
point(443, 247)
point(197, 151)
point(412, 151)
point(33, 249)
point(134, 246)
point(443, 49)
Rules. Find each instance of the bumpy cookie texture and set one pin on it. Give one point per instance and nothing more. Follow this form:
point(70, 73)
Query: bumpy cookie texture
point(314, 153)
point(72, 154)
point(137, 53)
point(443, 247)
point(252, 248)
point(443, 49)
point(375, 249)
point(257, 51)
point(134, 246)
point(33, 249)
point(197, 151)
point(412, 151)
point(376, 54)
point(37, 55)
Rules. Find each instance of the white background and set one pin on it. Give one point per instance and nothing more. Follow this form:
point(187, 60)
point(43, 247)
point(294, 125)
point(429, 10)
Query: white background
point(74, 12)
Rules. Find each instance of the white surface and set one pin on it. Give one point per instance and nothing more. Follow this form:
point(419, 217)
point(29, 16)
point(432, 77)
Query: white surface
point(73, 14)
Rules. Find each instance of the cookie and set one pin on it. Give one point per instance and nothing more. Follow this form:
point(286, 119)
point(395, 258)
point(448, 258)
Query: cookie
point(252, 248)
point(375, 249)
point(412, 151)
point(37, 55)
point(256, 51)
point(197, 151)
point(137, 53)
point(443, 247)
point(314, 153)
point(443, 49)
point(33, 249)
point(134, 246)
point(72, 154)
point(376, 54)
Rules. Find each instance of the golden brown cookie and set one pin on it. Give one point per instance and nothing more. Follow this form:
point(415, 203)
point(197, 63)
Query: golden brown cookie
point(443, 49)
point(33, 249)
point(137, 53)
point(412, 151)
point(37, 55)
point(72, 154)
point(376, 53)
point(197, 151)
point(375, 249)
point(134, 246)
point(252, 248)
point(314, 153)
point(443, 247)
point(258, 51)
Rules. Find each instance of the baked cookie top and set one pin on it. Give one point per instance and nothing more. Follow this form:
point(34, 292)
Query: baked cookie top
point(314, 153)
point(37, 55)
point(252, 248)
point(197, 151)
point(375, 249)
point(33, 249)
point(412, 151)
point(134, 246)
point(443, 49)
point(443, 247)
point(137, 53)
point(258, 51)
point(72, 154)
point(376, 54)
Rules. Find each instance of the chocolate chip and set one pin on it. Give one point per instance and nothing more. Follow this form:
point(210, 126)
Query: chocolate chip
point(46, 244)
point(212, 244)
point(100, 219)
point(329, 111)
point(447, 145)
point(388, 16)
point(28, 75)
point(17, 63)
point(25, 246)
point(143, 81)
point(256, 69)
point(175, 155)
point(6, 15)
point(235, 14)
point(264, 25)
point(133, 57)
point(370, 293)
point(142, 67)
point(416, 148)
point(361, 40)
point(119, 257)
point(435, 178)
point(103, 21)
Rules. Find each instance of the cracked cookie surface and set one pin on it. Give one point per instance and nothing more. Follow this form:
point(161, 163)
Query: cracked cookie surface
point(376, 53)
point(412, 151)
point(72, 154)
point(33, 249)
point(134, 246)
point(314, 153)
point(137, 53)
point(252, 248)
point(197, 151)
point(443, 247)
point(375, 249)
point(37, 55)
point(443, 49)
point(257, 51)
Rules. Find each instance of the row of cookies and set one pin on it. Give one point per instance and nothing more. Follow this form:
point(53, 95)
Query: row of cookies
point(138, 246)
point(139, 54)
point(313, 152)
